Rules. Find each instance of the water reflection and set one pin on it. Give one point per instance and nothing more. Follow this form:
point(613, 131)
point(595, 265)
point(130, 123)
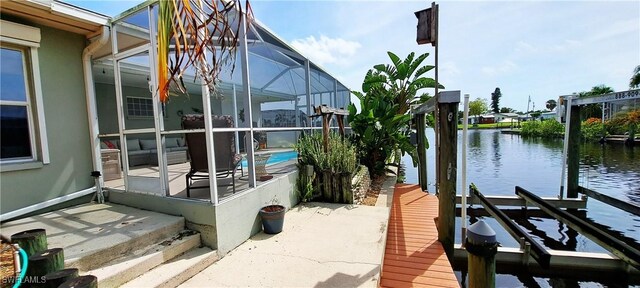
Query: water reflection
point(475, 145)
point(604, 166)
point(498, 162)
point(567, 241)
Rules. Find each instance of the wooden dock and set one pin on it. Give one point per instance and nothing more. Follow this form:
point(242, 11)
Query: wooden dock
point(414, 257)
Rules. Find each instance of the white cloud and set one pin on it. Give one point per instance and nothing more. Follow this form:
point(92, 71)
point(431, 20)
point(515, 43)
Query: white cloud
point(502, 68)
point(450, 68)
point(327, 50)
point(616, 29)
point(524, 47)
point(565, 45)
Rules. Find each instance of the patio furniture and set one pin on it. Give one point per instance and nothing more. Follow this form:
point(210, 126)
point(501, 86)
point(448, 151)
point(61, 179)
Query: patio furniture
point(143, 151)
point(111, 164)
point(227, 160)
point(261, 163)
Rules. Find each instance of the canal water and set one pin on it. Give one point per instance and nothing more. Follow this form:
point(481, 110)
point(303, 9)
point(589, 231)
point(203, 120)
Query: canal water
point(497, 162)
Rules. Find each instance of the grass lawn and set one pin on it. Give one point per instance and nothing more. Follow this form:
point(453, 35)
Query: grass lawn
point(490, 126)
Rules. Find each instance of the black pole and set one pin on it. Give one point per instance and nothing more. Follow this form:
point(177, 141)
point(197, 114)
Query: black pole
point(422, 151)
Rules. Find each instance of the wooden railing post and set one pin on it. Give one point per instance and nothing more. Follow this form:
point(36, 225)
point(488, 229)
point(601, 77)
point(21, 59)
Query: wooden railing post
point(448, 156)
point(573, 153)
point(340, 119)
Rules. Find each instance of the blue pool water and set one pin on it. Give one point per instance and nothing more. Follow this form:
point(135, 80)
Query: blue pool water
point(278, 157)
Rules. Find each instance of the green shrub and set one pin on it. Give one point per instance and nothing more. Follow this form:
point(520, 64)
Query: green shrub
point(304, 184)
point(310, 151)
point(531, 129)
point(617, 125)
point(547, 129)
point(623, 122)
point(592, 129)
point(340, 157)
point(551, 129)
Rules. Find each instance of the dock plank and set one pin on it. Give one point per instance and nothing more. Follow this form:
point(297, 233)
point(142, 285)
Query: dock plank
point(413, 256)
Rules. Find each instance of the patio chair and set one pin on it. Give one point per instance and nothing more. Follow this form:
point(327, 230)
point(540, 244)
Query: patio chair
point(227, 160)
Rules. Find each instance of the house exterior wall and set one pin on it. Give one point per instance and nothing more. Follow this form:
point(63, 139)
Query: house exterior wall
point(108, 115)
point(65, 111)
point(484, 120)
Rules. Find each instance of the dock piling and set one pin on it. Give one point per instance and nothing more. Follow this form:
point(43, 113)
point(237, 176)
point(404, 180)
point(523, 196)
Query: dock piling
point(447, 155)
point(482, 247)
point(573, 157)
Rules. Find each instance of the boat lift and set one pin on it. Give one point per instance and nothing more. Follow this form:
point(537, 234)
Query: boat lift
point(625, 258)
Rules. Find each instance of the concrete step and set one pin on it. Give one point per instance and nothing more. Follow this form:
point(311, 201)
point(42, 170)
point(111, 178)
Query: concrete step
point(178, 270)
point(136, 263)
point(94, 234)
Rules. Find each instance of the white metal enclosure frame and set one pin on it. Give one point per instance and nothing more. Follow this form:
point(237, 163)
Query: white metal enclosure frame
point(293, 78)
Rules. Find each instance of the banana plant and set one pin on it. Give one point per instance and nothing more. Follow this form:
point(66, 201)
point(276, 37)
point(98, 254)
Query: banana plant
point(402, 78)
point(194, 30)
point(378, 130)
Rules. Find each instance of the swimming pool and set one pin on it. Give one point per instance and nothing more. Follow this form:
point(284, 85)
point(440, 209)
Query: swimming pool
point(278, 157)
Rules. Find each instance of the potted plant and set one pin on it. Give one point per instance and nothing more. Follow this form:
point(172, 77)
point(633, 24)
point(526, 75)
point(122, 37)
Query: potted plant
point(272, 218)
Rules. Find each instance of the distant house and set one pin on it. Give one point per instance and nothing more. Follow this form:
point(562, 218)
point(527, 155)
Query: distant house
point(493, 118)
point(505, 116)
point(482, 119)
point(548, 115)
point(525, 117)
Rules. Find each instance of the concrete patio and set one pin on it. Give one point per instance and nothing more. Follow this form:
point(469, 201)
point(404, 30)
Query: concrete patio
point(321, 245)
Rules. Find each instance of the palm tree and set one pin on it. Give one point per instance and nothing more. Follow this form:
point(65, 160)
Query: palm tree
point(635, 79)
point(402, 78)
point(196, 29)
point(551, 104)
point(600, 89)
point(594, 110)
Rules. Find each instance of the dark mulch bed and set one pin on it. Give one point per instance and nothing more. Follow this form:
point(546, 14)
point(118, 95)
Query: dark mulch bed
point(372, 195)
point(6, 265)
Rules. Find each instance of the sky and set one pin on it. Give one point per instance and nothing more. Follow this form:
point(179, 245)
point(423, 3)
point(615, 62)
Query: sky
point(541, 49)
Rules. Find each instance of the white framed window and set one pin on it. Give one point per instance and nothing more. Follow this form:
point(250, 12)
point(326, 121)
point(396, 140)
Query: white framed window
point(141, 107)
point(22, 127)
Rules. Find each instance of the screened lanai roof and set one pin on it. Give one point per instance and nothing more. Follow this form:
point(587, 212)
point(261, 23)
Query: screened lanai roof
point(274, 66)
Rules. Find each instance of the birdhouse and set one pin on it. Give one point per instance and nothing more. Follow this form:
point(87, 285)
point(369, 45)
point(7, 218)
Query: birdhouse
point(427, 25)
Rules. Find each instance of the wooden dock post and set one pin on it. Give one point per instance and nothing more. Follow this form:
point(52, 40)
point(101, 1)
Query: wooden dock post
point(448, 156)
point(422, 151)
point(87, 281)
point(482, 247)
point(55, 279)
point(45, 262)
point(31, 241)
point(573, 153)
